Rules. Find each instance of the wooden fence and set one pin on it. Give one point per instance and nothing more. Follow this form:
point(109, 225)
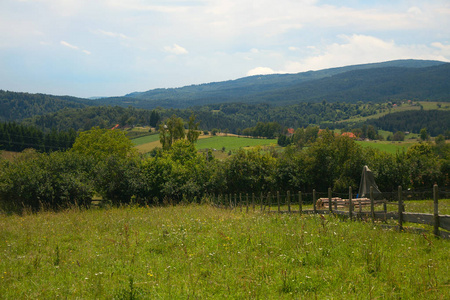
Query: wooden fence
point(333, 205)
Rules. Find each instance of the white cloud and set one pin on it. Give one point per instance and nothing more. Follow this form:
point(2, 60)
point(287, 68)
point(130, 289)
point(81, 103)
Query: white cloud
point(175, 49)
point(260, 71)
point(360, 49)
point(64, 43)
point(112, 34)
point(445, 48)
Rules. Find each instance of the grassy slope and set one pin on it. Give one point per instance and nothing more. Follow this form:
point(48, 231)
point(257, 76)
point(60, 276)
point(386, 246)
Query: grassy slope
point(202, 252)
point(404, 107)
point(389, 147)
point(232, 142)
point(147, 143)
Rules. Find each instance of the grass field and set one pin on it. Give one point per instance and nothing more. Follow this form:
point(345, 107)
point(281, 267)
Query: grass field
point(404, 107)
point(202, 252)
point(390, 147)
point(231, 143)
point(146, 139)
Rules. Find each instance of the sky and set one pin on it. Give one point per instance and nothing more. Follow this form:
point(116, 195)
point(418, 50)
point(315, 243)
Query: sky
point(90, 48)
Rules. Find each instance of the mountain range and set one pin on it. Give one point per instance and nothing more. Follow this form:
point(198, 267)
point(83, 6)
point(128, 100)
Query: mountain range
point(377, 82)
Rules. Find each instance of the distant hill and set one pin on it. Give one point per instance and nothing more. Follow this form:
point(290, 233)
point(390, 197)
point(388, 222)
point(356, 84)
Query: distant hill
point(17, 106)
point(399, 79)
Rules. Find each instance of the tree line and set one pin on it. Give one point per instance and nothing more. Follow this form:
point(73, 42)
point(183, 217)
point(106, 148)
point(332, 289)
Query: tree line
point(103, 162)
point(18, 137)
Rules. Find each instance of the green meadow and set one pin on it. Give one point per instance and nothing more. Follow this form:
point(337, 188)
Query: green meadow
point(146, 139)
point(232, 142)
point(202, 252)
point(389, 147)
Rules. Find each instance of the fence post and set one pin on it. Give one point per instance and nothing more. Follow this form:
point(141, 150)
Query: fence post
point(278, 201)
point(289, 201)
point(350, 204)
point(240, 201)
point(372, 205)
point(330, 207)
point(314, 202)
point(262, 201)
point(400, 209)
point(436, 211)
point(253, 201)
point(300, 202)
point(269, 201)
point(247, 202)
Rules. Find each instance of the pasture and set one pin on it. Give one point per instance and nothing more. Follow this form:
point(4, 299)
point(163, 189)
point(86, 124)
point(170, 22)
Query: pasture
point(230, 142)
point(197, 251)
point(389, 147)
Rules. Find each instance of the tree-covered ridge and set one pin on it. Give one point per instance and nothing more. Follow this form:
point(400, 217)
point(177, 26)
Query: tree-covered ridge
point(18, 137)
point(282, 88)
point(435, 121)
point(232, 116)
point(17, 106)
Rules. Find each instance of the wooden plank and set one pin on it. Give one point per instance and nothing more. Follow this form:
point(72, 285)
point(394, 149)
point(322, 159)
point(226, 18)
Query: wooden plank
point(444, 222)
point(444, 235)
point(418, 218)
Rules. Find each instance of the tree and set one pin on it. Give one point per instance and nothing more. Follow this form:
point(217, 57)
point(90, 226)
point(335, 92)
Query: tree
point(193, 133)
point(102, 143)
point(170, 131)
point(399, 136)
point(424, 134)
point(154, 118)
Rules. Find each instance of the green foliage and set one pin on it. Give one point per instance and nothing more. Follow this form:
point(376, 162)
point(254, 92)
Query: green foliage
point(18, 137)
point(18, 106)
point(52, 181)
point(399, 136)
point(268, 130)
point(249, 171)
point(176, 173)
point(424, 134)
point(102, 143)
point(170, 131)
point(154, 118)
point(424, 166)
point(193, 133)
point(435, 121)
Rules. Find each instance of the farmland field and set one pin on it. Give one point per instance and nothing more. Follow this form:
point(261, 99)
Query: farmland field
point(198, 251)
point(389, 147)
point(232, 142)
point(146, 139)
point(402, 108)
point(147, 143)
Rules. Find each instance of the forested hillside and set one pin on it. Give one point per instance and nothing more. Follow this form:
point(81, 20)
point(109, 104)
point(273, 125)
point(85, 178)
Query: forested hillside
point(17, 106)
point(232, 116)
point(236, 117)
point(404, 79)
point(18, 137)
point(435, 121)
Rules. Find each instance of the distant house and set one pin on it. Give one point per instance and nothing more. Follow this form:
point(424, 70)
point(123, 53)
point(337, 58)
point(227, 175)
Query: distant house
point(349, 134)
point(290, 131)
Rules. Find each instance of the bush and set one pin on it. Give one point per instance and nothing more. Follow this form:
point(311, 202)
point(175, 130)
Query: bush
point(53, 181)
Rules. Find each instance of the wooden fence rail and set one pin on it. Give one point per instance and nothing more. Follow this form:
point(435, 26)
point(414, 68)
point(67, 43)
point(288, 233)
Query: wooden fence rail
point(332, 205)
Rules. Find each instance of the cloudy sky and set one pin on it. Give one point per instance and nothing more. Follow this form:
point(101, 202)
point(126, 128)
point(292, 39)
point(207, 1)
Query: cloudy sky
point(113, 47)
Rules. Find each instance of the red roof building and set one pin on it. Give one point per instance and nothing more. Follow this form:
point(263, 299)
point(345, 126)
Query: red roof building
point(349, 134)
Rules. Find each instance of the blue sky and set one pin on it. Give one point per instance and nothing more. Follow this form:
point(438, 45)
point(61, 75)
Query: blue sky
point(113, 47)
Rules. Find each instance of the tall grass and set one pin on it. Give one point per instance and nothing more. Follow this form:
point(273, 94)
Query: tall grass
point(203, 252)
